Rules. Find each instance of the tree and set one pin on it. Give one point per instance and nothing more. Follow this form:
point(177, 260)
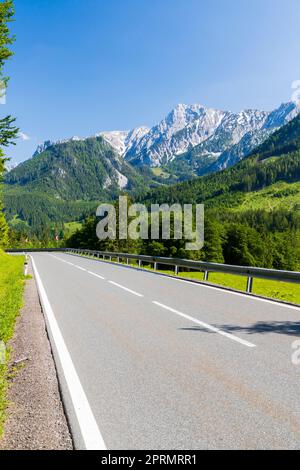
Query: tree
point(8, 132)
point(244, 246)
point(214, 238)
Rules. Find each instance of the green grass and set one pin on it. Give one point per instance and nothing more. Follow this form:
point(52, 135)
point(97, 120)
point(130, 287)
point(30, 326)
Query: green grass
point(280, 195)
point(11, 295)
point(71, 227)
point(160, 172)
point(285, 291)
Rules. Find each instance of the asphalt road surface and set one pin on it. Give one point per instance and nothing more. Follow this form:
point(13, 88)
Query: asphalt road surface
point(146, 361)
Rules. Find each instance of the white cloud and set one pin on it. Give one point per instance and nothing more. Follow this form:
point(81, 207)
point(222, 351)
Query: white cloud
point(24, 136)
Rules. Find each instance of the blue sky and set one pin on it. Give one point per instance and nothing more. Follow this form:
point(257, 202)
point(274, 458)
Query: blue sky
point(82, 66)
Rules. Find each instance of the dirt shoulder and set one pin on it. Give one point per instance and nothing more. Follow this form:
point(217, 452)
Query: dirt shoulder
point(36, 418)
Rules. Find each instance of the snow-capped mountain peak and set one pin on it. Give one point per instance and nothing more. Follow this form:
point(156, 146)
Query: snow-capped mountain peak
point(122, 141)
point(184, 127)
point(210, 132)
point(116, 139)
point(211, 139)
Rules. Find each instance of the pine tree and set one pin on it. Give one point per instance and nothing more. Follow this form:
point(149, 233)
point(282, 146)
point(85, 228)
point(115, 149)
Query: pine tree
point(214, 238)
point(8, 131)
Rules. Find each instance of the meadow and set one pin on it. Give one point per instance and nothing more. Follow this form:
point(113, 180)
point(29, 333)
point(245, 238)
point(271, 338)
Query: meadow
point(11, 299)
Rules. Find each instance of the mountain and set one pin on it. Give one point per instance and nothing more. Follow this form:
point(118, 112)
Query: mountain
point(190, 141)
point(275, 162)
point(49, 143)
point(193, 140)
point(123, 141)
point(76, 170)
point(252, 138)
point(252, 211)
point(67, 180)
point(120, 141)
point(235, 137)
point(185, 126)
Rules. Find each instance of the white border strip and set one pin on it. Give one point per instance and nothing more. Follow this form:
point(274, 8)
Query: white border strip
point(79, 267)
point(96, 275)
point(91, 435)
point(126, 288)
point(206, 325)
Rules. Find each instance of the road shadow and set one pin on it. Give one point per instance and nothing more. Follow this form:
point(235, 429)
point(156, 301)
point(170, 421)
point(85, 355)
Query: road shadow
point(280, 327)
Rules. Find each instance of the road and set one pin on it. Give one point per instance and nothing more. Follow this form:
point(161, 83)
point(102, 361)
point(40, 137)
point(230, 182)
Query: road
point(147, 361)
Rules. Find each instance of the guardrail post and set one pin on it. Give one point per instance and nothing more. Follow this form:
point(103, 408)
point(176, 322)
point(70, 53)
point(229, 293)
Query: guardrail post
point(155, 265)
point(127, 261)
point(176, 270)
point(110, 258)
point(249, 284)
point(140, 263)
point(206, 275)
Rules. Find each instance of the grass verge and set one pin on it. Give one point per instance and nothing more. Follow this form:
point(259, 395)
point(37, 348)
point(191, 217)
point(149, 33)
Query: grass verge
point(284, 291)
point(11, 298)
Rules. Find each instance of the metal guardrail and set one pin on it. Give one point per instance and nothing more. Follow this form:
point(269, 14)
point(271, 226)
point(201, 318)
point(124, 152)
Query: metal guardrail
point(202, 266)
point(34, 250)
point(249, 272)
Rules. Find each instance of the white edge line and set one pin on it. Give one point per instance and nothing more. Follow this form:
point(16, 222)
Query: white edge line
point(97, 275)
point(88, 426)
point(206, 325)
point(126, 288)
point(79, 267)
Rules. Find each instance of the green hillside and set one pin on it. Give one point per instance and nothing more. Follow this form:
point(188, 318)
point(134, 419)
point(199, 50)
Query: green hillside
point(76, 170)
point(66, 182)
point(36, 209)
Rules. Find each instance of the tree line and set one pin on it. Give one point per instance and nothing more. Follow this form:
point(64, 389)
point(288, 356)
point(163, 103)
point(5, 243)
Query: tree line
point(259, 238)
point(8, 130)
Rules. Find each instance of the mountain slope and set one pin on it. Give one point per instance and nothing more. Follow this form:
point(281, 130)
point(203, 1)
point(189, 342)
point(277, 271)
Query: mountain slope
point(236, 136)
point(123, 141)
point(66, 181)
point(184, 126)
point(277, 159)
point(76, 170)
